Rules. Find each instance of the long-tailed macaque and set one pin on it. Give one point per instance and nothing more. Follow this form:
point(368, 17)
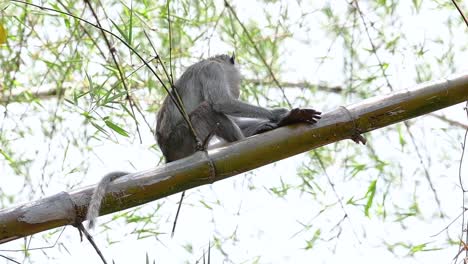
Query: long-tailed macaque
point(209, 91)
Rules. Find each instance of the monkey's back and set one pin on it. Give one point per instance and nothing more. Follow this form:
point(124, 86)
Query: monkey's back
point(216, 75)
point(169, 116)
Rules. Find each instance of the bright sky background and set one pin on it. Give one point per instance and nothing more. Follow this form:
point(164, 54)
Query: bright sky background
point(265, 227)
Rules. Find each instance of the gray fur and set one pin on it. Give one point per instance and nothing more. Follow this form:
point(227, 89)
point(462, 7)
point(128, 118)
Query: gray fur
point(210, 92)
point(98, 195)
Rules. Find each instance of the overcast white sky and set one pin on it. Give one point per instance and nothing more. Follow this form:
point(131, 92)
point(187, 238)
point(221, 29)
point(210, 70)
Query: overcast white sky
point(261, 225)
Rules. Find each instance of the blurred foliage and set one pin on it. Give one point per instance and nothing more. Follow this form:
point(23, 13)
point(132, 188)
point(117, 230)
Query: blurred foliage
point(62, 97)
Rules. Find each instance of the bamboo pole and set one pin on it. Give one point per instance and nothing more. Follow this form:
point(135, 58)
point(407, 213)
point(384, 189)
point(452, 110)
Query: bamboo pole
point(145, 186)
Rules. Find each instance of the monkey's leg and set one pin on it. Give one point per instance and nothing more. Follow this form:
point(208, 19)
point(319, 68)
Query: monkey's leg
point(252, 127)
point(226, 128)
point(206, 123)
point(179, 144)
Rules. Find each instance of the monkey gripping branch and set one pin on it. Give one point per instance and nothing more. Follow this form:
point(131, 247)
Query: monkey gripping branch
point(145, 186)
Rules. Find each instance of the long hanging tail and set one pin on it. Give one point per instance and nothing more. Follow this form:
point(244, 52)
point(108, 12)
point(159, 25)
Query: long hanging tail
point(98, 195)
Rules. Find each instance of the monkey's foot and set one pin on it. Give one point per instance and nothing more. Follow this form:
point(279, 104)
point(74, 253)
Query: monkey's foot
point(298, 115)
point(358, 138)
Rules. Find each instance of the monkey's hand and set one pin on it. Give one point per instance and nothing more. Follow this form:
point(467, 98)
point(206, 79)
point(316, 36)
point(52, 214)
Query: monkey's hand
point(298, 115)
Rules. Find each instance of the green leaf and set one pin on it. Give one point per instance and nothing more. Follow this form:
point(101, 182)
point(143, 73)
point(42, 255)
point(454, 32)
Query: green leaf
point(115, 127)
point(311, 242)
point(370, 196)
point(130, 27)
point(6, 156)
point(401, 138)
point(206, 205)
point(417, 4)
point(121, 31)
point(351, 201)
point(357, 168)
point(98, 127)
point(417, 248)
point(281, 191)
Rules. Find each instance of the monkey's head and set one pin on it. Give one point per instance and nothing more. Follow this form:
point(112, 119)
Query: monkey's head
point(224, 58)
point(232, 73)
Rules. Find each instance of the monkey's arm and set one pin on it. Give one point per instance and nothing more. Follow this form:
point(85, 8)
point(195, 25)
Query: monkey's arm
point(236, 107)
point(216, 90)
point(252, 127)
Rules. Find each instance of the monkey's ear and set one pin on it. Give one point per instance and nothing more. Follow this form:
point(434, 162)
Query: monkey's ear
point(233, 58)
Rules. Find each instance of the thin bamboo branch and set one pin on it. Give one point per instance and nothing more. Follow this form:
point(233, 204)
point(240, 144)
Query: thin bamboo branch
point(47, 92)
